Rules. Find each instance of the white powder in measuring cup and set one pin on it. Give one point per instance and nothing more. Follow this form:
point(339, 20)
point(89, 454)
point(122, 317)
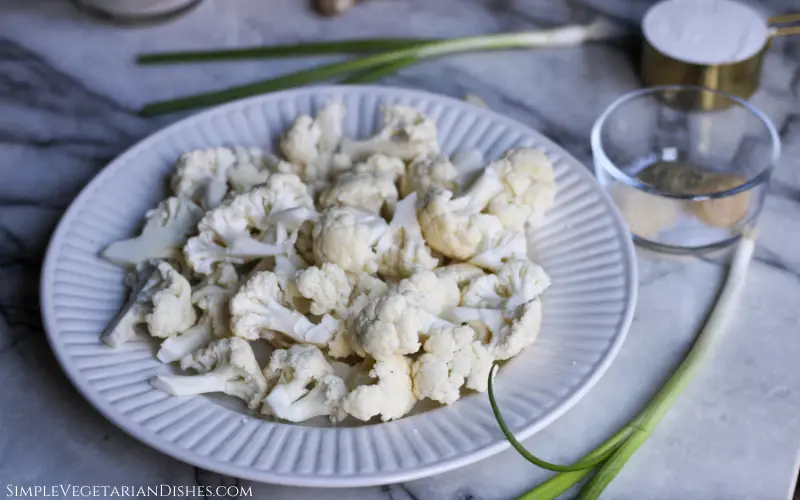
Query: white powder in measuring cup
point(705, 31)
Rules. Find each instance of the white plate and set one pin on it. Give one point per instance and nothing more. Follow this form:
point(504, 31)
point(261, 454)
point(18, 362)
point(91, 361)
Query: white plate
point(583, 245)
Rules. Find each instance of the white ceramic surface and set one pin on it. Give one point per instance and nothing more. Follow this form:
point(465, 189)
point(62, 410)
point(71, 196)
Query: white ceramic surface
point(583, 245)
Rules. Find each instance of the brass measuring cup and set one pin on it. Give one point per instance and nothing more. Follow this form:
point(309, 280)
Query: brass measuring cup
point(739, 78)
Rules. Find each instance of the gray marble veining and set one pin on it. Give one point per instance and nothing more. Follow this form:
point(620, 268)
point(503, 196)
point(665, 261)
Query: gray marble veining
point(68, 95)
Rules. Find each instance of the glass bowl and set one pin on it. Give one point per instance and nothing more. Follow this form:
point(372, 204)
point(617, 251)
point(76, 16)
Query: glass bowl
point(685, 178)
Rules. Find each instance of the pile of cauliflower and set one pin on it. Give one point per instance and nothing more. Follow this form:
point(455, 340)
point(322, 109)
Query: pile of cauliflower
point(374, 276)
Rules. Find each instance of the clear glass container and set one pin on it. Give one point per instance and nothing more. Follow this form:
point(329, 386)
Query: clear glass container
point(684, 177)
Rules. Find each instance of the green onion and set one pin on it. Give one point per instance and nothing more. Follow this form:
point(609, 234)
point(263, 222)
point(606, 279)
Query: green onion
point(640, 429)
point(380, 72)
point(712, 332)
point(556, 485)
point(559, 37)
point(596, 457)
point(279, 83)
point(365, 46)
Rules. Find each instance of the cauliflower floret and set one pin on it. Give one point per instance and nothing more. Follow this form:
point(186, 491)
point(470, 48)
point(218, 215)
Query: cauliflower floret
point(123, 327)
point(389, 166)
point(311, 144)
point(529, 188)
point(300, 144)
point(363, 190)
point(452, 357)
point(391, 324)
point(305, 242)
point(143, 283)
point(456, 227)
point(210, 296)
point(426, 172)
point(299, 222)
point(293, 219)
point(306, 385)
point(287, 191)
point(339, 346)
point(484, 291)
point(258, 311)
point(406, 133)
point(367, 285)
point(511, 330)
point(196, 337)
point(436, 293)
point(286, 267)
point(354, 375)
point(461, 274)
point(225, 237)
point(365, 288)
point(202, 176)
point(172, 312)
point(524, 281)
point(515, 283)
point(470, 165)
point(226, 365)
point(249, 227)
point(499, 248)
point(252, 168)
point(402, 249)
point(347, 237)
point(391, 397)
point(165, 231)
point(327, 287)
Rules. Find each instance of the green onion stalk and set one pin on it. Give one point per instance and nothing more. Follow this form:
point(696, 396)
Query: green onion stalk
point(368, 46)
point(606, 461)
point(402, 53)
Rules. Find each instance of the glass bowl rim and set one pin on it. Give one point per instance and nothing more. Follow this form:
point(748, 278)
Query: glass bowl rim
point(611, 168)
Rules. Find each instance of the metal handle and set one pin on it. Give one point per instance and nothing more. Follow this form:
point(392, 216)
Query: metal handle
point(790, 22)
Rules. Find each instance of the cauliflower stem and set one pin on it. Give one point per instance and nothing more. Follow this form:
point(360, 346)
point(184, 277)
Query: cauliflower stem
point(175, 348)
point(226, 365)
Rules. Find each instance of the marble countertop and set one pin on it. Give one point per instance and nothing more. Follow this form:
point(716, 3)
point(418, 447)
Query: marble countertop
point(68, 95)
